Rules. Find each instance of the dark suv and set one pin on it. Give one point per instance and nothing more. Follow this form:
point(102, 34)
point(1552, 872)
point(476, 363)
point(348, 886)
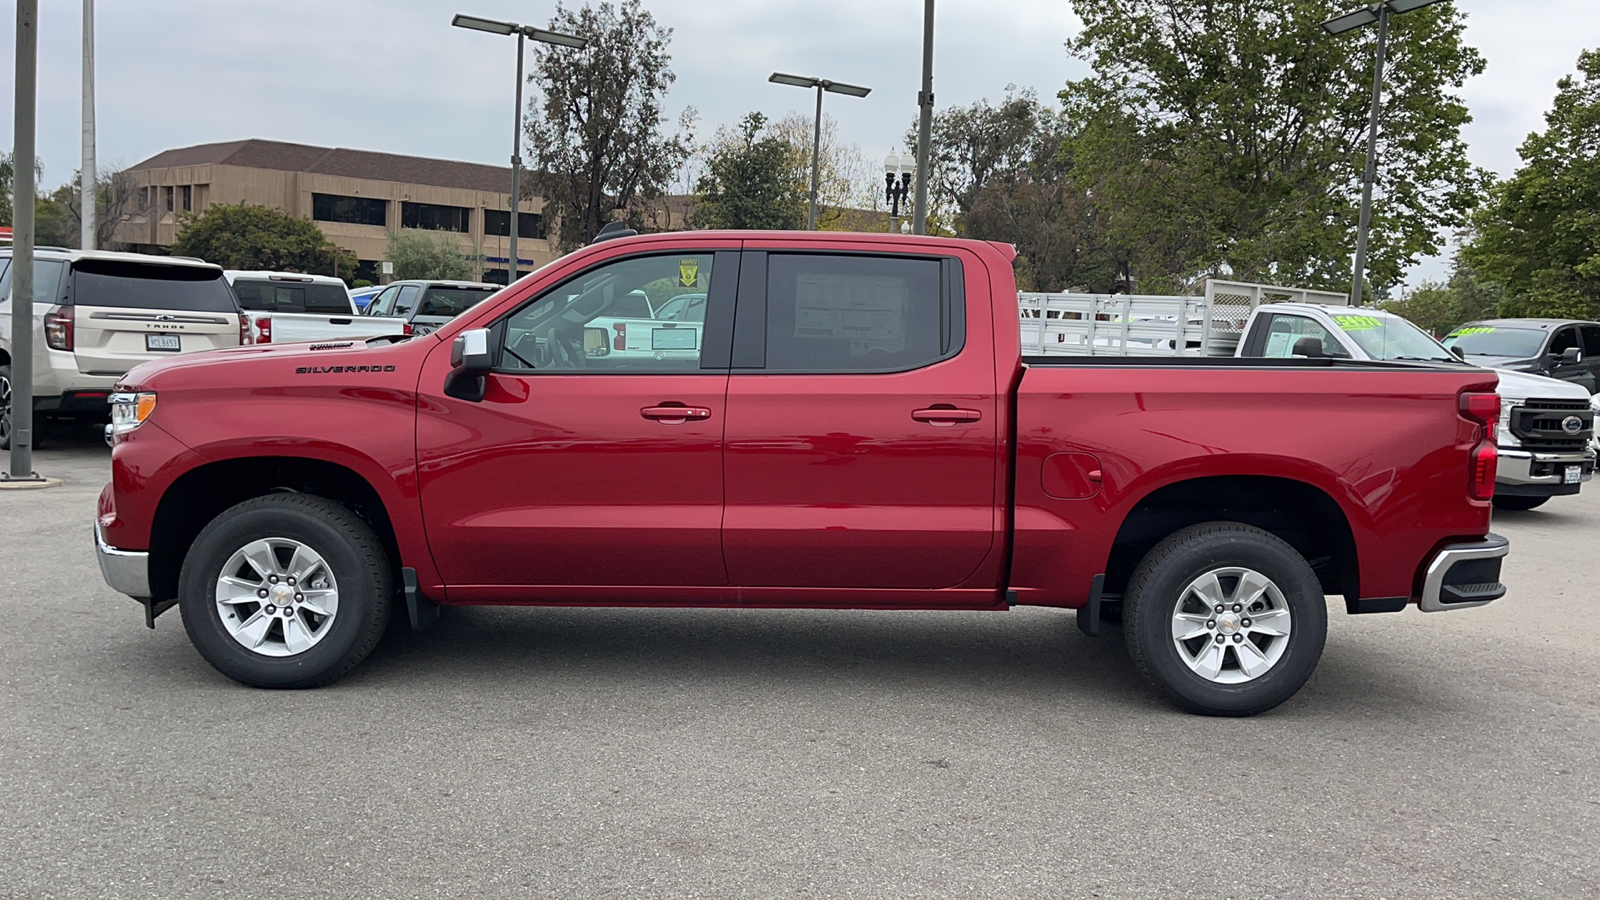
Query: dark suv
point(1567, 349)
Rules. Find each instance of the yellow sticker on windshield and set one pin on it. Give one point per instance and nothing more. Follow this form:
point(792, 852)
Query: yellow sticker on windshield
point(688, 272)
point(1463, 332)
point(1357, 323)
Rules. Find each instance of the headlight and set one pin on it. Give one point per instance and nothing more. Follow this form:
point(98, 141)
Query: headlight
point(1503, 435)
point(128, 411)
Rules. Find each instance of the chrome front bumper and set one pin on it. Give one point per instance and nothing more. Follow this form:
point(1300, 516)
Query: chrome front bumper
point(1516, 466)
point(127, 571)
point(1462, 576)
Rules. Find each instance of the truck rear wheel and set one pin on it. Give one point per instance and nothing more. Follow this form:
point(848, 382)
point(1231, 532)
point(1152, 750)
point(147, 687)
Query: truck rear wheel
point(1518, 503)
point(285, 591)
point(1225, 619)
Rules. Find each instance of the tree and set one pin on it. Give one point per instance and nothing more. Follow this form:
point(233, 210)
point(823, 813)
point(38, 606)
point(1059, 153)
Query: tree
point(1539, 236)
point(1003, 173)
point(260, 237)
point(749, 181)
point(427, 254)
point(59, 214)
point(8, 174)
point(1439, 307)
point(1230, 137)
point(844, 178)
point(595, 127)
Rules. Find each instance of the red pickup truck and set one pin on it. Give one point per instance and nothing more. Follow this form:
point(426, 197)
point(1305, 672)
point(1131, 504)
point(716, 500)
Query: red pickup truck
point(849, 424)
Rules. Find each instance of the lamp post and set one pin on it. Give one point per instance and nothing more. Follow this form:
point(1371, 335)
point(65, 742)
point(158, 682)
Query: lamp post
point(924, 121)
point(897, 174)
point(88, 178)
point(821, 84)
point(1371, 13)
point(493, 26)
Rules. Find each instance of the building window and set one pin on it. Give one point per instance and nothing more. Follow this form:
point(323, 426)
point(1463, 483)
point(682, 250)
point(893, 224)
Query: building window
point(498, 221)
point(168, 192)
point(187, 192)
point(433, 217)
point(350, 210)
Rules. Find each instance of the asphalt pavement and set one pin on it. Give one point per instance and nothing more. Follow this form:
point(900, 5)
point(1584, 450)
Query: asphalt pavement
point(623, 753)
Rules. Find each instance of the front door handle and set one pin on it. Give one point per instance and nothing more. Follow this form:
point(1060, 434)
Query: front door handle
point(945, 416)
point(675, 415)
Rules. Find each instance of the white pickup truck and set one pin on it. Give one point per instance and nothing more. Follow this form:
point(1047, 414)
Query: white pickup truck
point(1546, 431)
point(289, 307)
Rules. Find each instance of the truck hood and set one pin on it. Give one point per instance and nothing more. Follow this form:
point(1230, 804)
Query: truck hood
point(319, 354)
point(1516, 387)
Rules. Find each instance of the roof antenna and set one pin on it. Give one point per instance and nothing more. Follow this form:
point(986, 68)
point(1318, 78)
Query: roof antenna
point(613, 230)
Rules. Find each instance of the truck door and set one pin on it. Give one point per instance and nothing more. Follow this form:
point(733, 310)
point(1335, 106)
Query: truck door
point(577, 468)
point(862, 432)
point(1591, 352)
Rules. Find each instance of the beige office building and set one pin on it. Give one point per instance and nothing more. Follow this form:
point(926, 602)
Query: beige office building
point(355, 196)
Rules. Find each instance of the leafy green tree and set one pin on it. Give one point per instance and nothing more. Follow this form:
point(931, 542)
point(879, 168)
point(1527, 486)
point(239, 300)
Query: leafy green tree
point(749, 181)
point(1439, 307)
point(1004, 173)
point(1230, 138)
point(260, 237)
point(595, 127)
point(1539, 236)
point(427, 254)
point(8, 173)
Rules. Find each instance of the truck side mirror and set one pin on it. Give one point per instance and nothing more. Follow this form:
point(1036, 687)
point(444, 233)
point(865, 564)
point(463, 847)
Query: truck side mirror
point(1570, 356)
point(1458, 354)
point(470, 352)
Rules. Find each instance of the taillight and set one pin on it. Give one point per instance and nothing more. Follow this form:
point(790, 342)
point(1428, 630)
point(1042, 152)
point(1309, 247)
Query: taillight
point(620, 342)
point(246, 335)
point(408, 330)
point(264, 330)
point(1484, 409)
point(58, 328)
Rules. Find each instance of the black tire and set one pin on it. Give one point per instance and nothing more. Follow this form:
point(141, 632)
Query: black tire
point(1158, 586)
point(1519, 504)
point(352, 552)
point(5, 408)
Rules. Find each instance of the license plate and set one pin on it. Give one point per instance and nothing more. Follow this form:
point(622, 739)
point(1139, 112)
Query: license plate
point(164, 342)
point(672, 338)
point(1574, 474)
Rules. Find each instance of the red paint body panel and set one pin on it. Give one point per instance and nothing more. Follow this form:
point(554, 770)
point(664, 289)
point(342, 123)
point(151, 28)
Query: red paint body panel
point(804, 490)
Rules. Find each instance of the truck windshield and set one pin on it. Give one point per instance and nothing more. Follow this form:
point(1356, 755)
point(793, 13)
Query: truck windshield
point(1391, 338)
point(1491, 340)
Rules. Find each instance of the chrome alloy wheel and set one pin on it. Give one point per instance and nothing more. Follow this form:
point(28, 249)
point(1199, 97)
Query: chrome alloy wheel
point(1231, 625)
point(277, 597)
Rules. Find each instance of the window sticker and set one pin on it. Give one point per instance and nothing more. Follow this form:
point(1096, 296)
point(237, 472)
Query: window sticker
point(868, 311)
point(1463, 332)
point(1357, 323)
point(688, 272)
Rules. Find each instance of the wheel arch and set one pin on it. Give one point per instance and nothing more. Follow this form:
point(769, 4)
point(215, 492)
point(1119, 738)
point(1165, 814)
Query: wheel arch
point(1302, 514)
point(200, 494)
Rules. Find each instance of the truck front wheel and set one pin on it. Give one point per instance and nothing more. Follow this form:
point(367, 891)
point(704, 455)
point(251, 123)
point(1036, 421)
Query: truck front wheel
point(285, 591)
point(1225, 619)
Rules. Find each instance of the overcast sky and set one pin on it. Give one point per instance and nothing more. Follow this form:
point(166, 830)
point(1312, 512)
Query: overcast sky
point(392, 75)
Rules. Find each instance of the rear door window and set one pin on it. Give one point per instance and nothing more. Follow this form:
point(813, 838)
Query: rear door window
point(46, 279)
point(406, 299)
point(838, 313)
point(125, 285)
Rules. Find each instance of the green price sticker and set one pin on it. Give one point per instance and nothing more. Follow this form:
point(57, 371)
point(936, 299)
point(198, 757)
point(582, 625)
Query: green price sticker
point(1463, 332)
point(1357, 323)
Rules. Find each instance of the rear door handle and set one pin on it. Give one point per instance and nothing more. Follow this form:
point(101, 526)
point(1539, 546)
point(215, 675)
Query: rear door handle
point(675, 415)
point(945, 416)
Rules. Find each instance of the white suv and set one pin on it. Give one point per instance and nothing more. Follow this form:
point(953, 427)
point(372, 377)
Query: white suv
point(97, 314)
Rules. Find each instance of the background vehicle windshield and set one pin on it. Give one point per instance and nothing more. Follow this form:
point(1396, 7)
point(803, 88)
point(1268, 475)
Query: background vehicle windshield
point(450, 301)
point(1391, 337)
point(127, 285)
point(291, 297)
point(1491, 340)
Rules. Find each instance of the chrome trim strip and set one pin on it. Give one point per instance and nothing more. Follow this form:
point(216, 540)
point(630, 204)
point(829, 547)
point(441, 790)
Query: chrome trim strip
point(1491, 547)
point(126, 571)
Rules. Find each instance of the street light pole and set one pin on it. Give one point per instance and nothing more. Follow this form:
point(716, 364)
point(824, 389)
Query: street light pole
point(821, 84)
point(919, 215)
point(22, 156)
point(88, 179)
point(1373, 13)
point(516, 170)
point(1358, 282)
point(494, 26)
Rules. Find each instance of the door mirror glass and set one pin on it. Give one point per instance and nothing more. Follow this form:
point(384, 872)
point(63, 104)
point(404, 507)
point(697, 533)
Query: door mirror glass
point(596, 342)
point(470, 351)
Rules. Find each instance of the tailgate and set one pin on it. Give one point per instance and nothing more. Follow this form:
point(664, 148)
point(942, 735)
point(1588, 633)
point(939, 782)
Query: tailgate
point(289, 328)
point(109, 341)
